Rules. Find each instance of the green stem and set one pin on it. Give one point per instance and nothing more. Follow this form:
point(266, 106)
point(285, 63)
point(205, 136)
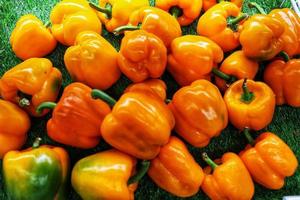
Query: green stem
point(98, 94)
point(284, 55)
point(209, 161)
point(168, 100)
point(36, 143)
point(258, 7)
point(141, 173)
point(247, 96)
point(47, 24)
point(107, 10)
point(24, 102)
point(45, 105)
point(122, 29)
point(176, 11)
point(247, 134)
point(221, 74)
point(237, 19)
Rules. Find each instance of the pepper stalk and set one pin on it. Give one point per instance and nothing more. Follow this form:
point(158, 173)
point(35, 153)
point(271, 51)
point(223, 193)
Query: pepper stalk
point(107, 10)
point(145, 164)
point(247, 96)
point(209, 161)
point(98, 94)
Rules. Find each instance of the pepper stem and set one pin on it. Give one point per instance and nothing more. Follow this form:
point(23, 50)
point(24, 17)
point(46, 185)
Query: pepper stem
point(176, 11)
point(209, 161)
point(247, 134)
point(36, 143)
point(98, 94)
point(236, 20)
point(247, 96)
point(222, 75)
point(145, 164)
point(107, 10)
point(168, 100)
point(122, 29)
point(258, 7)
point(24, 102)
point(45, 105)
point(284, 55)
point(47, 24)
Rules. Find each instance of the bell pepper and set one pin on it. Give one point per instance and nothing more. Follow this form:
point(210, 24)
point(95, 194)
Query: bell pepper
point(269, 160)
point(40, 172)
point(200, 112)
point(192, 57)
point(207, 4)
point(76, 118)
point(14, 125)
point(70, 17)
point(220, 23)
point(227, 178)
point(186, 11)
point(116, 13)
point(107, 175)
point(30, 83)
point(82, 61)
point(250, 104)
point(30, 38)
point(142, 55)
point(175, 170)
point(236, 66)
point(153, 20)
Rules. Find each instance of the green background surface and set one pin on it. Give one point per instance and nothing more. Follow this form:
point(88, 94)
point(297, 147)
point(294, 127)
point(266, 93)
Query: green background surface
point(286, 121)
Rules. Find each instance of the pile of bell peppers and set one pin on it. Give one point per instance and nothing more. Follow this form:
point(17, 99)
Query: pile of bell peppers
point(148, 133)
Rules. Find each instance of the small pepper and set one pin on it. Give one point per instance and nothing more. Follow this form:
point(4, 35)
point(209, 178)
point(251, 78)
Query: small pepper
point(70, 17)
point(192, 57)
point(76, 117)
point(153, 20)
point(200, 112)
point(14, 124)
point(30, 83)
point(220, 23)
point(175, 170)
point(186, 11)
point(207, 4)
point(269, 160)
point(227, 178)
point(116, 13)
point(40, 172)
point(82, 61)
point(250, 104)
point(30, 38)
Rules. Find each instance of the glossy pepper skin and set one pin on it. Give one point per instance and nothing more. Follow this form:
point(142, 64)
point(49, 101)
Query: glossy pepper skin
point(92, 176)
point(70, 17)
point(207, 4)
point(261, 37)
point(14, 124)
point(36, 173)
point(200, 112)
point(253, 110)
point(93, 61)
point(175, 169)
point(192, 57)
point(269, 161)
point(189, 10)
point(229, 180)
point(34, 78)
point(30, 38)
point(142, 55)
point(284, 79)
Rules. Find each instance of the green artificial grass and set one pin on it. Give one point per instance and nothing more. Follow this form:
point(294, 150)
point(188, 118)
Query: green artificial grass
point(286, 123)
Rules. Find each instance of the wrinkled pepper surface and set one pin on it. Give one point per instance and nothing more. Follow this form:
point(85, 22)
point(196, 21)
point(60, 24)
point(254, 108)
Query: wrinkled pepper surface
point(175, 170)
point(93, 61)
point(207, 4)
point(30, 38)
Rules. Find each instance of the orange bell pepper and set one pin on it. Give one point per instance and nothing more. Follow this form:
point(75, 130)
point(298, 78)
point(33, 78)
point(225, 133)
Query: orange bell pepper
point(30, 38)
point(250, 104)
point(236, 66)
point(186, 11)
point(200, 112)
point(142, 55)
point(116, 13)
point(230, 178)
point(220, 23)
point(153, 20)
point(269, 160)
point(192, 57)
point(175, 170)
point(207, 4)
point(14, 124)
point(70, 17)
point(30, 83)
point(82, 61)
point(76, 117)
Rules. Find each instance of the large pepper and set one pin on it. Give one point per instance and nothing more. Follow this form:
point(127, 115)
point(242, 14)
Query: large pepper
point(36, 173)
point(207, 4)
point(14, 124)
point(175, 170)
point(230, 178)
point(186, 11)
point(93, 61)
point(30, 38)
point(116, 13)
point(76, 118)
point(70, 17)
point(200, 112)
point(219, 24)
point(142, 55)
point(192, 57)
point(250, 104)
point(269, 160)
point(156, 21)
point(30, 83)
